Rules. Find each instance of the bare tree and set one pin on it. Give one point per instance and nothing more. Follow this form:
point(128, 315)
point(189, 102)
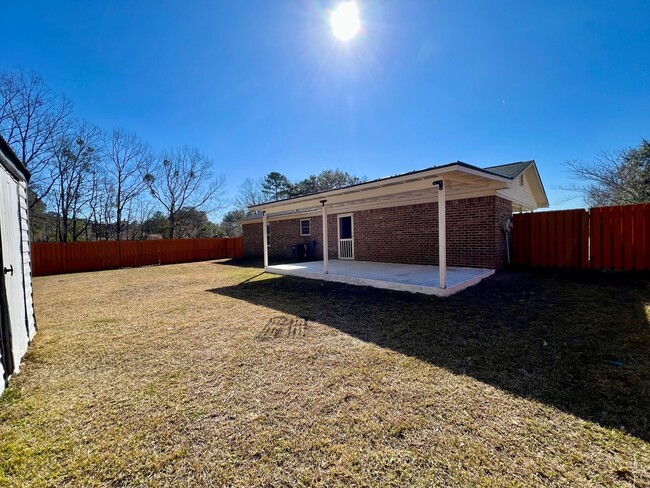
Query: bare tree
point(184, 179)
point(127, 160)
point(102, 206)
point(139, 210)
point(250, 193)
point(77, 179)
point(32, 120)
point(613, 178)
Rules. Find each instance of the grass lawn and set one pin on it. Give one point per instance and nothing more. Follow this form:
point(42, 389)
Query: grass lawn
point(211, 374)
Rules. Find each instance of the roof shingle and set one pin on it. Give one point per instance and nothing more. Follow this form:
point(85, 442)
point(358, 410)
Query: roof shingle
point(511, 170)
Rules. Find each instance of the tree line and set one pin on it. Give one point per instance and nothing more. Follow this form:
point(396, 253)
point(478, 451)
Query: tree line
point(88, 183)
point(276, 186)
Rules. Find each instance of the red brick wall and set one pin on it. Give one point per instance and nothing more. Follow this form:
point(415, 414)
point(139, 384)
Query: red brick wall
point(405, 234)
point(284, 235)
point(503, 211)
point(252, 235)
point(474, 236)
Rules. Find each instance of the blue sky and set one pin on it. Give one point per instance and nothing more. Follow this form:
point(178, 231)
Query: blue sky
point(263, 86)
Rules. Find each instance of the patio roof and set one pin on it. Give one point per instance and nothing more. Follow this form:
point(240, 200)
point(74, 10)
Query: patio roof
point(403, 189)
point(462, 180)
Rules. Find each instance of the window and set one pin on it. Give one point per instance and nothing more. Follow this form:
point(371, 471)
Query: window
point(305, 227)
point(268, 235)
point(521, 180)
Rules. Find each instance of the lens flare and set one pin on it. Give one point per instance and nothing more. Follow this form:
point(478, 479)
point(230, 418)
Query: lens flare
point(345, 21)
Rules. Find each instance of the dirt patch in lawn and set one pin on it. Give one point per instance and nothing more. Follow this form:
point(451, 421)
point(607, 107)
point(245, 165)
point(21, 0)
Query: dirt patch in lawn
point(204, 374)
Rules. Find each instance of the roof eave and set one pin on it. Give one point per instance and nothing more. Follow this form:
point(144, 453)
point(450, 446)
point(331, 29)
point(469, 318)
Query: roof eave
point(545, 203)
point(359, 187)
point(12, 163)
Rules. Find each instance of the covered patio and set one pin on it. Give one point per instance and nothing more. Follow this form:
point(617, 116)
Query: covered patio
point(413, 278)
point(433, 185)
point(446, 226)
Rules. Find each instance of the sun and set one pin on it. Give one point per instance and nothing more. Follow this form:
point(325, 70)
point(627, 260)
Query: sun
point(345, 21)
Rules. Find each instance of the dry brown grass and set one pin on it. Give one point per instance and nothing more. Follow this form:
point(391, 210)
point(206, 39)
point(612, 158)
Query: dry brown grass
point(208, 374)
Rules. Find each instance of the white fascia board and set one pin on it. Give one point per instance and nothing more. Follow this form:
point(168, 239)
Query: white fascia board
point(545, 202)
point(473, 172)
point(289, 213)
point(274, 217)
point(372, 205)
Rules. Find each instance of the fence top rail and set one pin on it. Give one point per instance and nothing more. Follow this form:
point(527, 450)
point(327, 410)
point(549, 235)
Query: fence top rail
point(125, 242)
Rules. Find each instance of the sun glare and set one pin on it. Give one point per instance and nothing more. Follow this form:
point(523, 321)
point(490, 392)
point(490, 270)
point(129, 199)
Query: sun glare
point(345, 21)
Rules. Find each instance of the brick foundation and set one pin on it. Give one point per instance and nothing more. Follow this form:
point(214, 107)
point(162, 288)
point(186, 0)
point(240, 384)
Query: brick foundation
point(406, 234)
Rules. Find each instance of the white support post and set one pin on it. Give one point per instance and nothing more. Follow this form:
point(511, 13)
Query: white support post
point(265, 241)
point(325, 241)
point(442, 234)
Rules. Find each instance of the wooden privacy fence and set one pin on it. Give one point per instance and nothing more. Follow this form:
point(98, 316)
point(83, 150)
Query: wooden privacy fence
point(550, 239)
point(611, 238)
point(50, 258)
point(620, 237)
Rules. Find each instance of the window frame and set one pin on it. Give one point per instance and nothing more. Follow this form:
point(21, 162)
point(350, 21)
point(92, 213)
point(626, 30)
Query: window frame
point(301, 232)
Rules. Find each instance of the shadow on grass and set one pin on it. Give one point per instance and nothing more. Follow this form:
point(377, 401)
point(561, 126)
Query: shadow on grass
point(578, 342)
point(240, 262)
point(253, 262)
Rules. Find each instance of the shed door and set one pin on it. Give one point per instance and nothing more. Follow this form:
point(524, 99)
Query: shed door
point(12, 269)
point(6, 354)
point(346, 237)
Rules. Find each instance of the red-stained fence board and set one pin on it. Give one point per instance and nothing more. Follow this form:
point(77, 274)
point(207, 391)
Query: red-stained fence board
point(637, 237)
point(616, 226)
point(551, 239)
point(607, 238)
point(628, 237)
point(71, 257)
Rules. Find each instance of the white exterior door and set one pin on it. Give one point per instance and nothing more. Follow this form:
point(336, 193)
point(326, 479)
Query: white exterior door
point(11, 270)
point(346, 236)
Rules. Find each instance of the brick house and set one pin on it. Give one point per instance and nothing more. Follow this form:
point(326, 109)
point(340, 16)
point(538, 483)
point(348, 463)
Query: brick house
point(445, 216)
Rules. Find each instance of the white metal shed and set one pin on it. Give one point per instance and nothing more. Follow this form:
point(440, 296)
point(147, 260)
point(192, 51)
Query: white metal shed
point(17, 322)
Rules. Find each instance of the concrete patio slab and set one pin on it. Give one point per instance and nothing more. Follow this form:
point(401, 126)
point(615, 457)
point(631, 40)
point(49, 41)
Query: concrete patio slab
point(391, 276)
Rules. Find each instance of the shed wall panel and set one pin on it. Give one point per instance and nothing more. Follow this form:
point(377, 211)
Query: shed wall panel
point(27, 260)
point(10, 233)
